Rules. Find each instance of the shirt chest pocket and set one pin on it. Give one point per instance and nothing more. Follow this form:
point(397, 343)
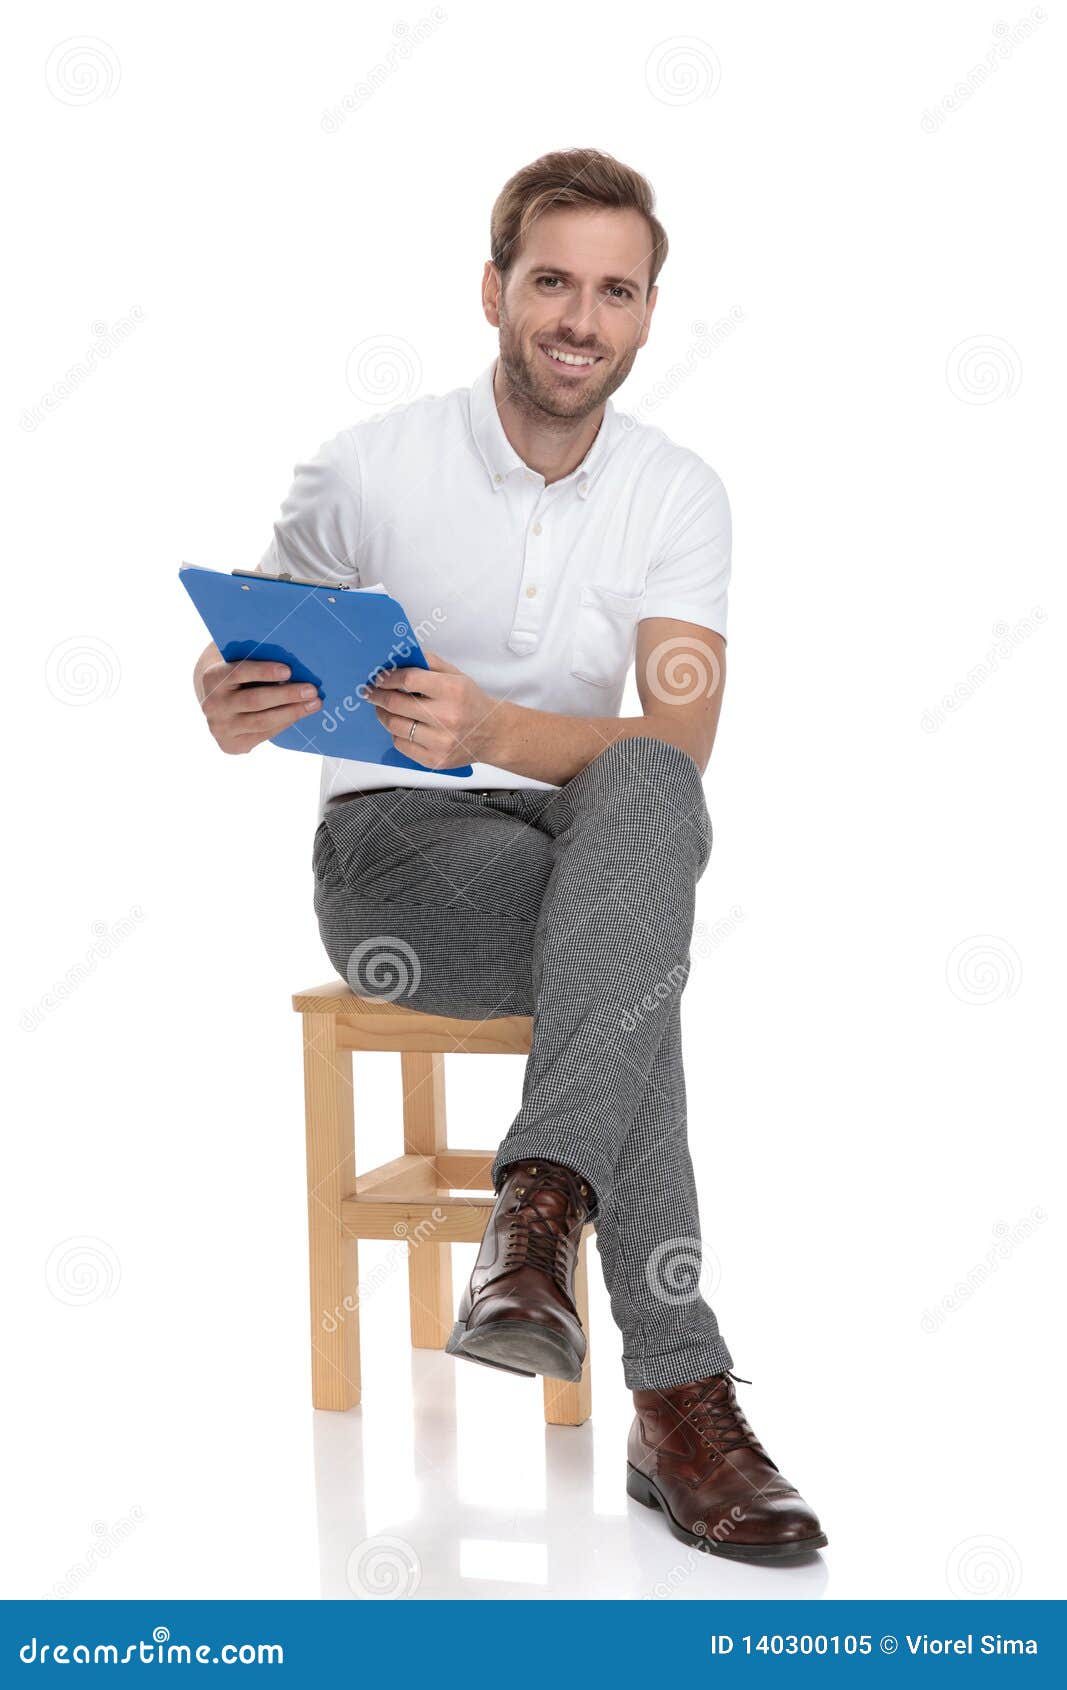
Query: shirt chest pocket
point(604, 635)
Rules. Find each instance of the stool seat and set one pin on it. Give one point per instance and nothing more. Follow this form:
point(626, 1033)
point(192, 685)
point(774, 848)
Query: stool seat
point(378, 1024)
point(431, 1196)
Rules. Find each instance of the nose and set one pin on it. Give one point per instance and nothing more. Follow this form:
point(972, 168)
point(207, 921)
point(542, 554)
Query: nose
point(580, 321)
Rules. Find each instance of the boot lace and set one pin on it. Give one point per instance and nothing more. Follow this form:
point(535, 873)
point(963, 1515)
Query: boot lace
point(538, 1235)
point(715, 1413)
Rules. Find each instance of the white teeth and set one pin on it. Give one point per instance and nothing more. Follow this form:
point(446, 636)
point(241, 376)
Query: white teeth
point(568, 357)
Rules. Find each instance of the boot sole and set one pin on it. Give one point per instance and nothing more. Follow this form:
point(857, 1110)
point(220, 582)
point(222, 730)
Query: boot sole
point(517, 1346)
point(645, 1490)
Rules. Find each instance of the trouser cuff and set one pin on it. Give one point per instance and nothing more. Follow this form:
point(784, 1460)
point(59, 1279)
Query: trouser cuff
point(678, 1367)
point(530, 1143)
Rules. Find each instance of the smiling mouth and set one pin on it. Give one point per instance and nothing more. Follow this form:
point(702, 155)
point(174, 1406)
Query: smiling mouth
point(574, 363)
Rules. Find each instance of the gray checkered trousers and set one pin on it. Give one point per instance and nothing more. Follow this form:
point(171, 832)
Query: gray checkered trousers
point(575, 906)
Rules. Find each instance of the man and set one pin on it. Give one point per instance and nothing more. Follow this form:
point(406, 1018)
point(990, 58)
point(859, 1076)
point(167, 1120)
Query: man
point(545, 537)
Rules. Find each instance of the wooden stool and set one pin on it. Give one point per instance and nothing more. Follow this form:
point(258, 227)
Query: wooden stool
point(432, 1196)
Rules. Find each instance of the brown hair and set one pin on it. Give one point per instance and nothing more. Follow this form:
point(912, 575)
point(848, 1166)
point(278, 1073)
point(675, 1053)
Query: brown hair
point(580, 176)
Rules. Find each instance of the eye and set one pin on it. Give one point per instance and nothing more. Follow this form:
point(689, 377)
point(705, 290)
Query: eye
point(548, 279)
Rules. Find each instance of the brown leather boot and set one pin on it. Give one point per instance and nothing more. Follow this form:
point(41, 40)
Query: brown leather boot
point(692, 1453)
point(518, 1311)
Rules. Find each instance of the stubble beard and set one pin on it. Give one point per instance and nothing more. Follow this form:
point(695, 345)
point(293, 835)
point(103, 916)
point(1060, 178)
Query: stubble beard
point(534, 394)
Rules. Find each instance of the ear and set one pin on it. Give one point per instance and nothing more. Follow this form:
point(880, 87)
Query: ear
point(650, 306)
point(491, 293)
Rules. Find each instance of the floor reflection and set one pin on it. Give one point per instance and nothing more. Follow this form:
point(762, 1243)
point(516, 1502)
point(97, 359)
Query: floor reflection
point(446, 1482)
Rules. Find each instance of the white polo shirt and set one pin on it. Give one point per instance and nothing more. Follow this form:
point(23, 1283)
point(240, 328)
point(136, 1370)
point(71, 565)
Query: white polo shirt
point(533, 590)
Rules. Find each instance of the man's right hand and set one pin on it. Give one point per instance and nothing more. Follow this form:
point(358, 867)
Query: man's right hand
point(249, 702)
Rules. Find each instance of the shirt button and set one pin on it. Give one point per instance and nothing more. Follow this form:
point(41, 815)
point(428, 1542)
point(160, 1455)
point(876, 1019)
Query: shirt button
point(498, 479)
point(531, 592)
point(530, 476)
point(537, 528)
point(583, 489)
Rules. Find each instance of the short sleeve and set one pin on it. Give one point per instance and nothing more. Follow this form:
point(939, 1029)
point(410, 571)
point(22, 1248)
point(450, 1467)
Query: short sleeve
point(689, 574)
point(317, 535)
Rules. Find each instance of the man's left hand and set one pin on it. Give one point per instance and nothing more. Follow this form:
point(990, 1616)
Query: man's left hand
point(452, 714)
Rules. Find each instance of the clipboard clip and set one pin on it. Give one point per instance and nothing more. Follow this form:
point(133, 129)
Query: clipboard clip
point(261, 575)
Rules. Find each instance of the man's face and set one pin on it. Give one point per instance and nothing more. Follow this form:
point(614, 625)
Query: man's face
point(578, 287)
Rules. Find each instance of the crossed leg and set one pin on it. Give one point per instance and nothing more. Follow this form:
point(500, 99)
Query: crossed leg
point(574, 906)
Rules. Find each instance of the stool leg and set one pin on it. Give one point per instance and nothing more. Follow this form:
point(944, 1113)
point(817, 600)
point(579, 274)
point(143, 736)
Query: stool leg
point(429, 1263)
point(567, 1404)
point(331, 1177)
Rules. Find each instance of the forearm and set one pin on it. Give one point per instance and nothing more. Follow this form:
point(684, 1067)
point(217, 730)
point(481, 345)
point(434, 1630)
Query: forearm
point(555, 748)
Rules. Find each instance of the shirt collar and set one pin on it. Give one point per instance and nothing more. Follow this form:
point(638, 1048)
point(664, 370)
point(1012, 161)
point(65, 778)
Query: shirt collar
point(499, 455)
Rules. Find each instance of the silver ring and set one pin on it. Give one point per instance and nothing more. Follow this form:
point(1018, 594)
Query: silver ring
point(411, 735)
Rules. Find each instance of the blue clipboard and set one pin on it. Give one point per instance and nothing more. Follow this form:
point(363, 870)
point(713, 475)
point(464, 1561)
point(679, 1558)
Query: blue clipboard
point(334, 637)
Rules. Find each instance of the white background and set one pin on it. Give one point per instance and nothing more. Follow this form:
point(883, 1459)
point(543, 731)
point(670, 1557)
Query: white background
point(870, 1046)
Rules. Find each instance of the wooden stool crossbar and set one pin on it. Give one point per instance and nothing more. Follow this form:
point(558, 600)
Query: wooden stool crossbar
point(431, 1196)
